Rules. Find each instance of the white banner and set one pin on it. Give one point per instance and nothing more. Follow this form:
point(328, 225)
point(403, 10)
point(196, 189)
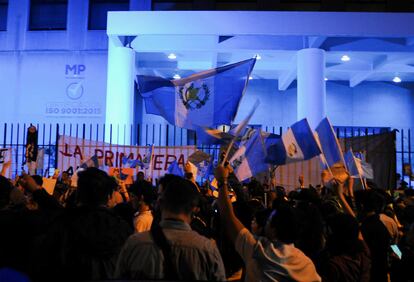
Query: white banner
point(72, 152)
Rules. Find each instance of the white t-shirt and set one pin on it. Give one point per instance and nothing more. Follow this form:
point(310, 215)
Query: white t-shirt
point(273, 261)
point(143, 221)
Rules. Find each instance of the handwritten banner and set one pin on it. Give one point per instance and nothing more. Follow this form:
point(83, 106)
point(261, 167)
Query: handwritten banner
point(72, 152)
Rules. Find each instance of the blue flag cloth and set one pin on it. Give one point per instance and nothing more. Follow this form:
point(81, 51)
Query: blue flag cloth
point(147, 158)
point(208, 98)
point(92, 162)
point(297, 144)
point(128, 163)
point(352, 164)
point(329, 144)
point(175, 169)
point(357, 167)
point(249, 159)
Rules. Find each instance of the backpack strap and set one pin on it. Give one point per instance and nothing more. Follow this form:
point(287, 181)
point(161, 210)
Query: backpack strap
point(160, 240)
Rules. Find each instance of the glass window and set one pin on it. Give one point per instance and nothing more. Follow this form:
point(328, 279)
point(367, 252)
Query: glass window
point(98, 10)
point(3, 14)
point(48, 14)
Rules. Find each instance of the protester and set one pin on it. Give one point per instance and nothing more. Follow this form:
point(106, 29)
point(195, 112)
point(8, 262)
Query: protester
point(346, 257)
point(376, 235)
point(145, 196)
point(308, 235)
point(82, 243)
point(171, 250)
point(273, 257)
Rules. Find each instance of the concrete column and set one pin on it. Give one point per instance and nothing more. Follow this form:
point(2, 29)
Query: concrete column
point(120, 92)
point(77, 25)
point(17, 24)
point(311, 99)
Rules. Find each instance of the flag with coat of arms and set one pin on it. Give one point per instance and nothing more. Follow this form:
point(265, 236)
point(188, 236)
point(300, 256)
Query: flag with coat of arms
point(207, 98)
point(297, 144)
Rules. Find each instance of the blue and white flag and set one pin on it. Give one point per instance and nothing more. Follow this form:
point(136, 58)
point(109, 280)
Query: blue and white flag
point(297, 144)
point(208, 98)
point(146, 161)
point(130, 163)
point(249, 159)
point(357, 167)
point(332, 153)
point(175, 169)
point(92, 162)
point(353, 164)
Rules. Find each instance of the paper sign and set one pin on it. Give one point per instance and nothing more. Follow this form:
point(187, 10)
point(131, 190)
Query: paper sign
point(49, 185)
point(125, 174)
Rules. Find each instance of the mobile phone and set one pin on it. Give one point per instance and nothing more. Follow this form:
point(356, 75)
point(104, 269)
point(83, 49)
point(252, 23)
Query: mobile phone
point(396, 251)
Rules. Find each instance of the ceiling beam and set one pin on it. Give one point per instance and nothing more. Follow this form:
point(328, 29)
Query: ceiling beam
point(259, 22)
point(359, 77)
point(316, 41)
point(287, 77)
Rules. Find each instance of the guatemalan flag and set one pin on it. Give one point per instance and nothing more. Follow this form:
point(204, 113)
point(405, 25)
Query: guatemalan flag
point(175, 169)
point(92, 162)
point(297, 144)
point(208, 98)
point(249, 159)
point(332, 153)
point(357, 167)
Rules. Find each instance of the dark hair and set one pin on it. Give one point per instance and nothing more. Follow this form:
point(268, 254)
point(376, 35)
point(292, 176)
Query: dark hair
point(180, 196)
point(255, 188)
point(343, 235)
point(5, 190)
point(38, 179)
point(145, 190)
point(94, 187)
point(262, 216)
point(373, 201)
point(284, 221)
point(166, 179)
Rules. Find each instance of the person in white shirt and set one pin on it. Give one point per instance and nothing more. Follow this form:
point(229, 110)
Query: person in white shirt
point(146, 195)
point(270, 258)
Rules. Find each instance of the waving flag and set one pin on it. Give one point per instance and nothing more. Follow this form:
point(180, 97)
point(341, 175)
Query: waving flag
point(329, 144)
point(175, 169)
point(92, 162)
point(297, 144)
point(208, 98)
point(357, 167)
point(249, 160)
point(147, 158)
point(128, 163)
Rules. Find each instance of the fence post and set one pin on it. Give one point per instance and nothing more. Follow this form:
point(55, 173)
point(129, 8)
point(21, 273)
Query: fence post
point(409, 154)
point(5, 135)
point(402, 154)
point(57, 145)
point(166, 135)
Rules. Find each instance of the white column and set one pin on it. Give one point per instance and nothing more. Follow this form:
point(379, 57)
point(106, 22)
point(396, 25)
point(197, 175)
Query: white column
point(311, 99)
point(119, 92)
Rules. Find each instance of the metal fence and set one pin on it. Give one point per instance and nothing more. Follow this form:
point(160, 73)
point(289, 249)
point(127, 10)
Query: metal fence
point(15, 134)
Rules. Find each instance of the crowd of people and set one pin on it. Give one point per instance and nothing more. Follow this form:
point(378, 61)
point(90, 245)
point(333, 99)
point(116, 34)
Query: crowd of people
point(177, 230)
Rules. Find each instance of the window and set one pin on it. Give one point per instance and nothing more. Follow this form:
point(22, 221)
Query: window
point(3, 14)
point(48, 14)
point(172, 5)
point(98, 11)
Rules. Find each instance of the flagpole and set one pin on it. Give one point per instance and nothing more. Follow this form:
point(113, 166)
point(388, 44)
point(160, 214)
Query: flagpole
point(362, 181)
point(240, 128)
point(150, 162)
